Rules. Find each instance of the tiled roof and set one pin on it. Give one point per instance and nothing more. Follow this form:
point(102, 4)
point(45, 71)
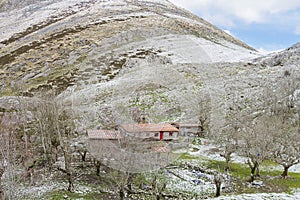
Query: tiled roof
point(181, 125)
point(104, 134)
point(137, 128)
point(161, 148)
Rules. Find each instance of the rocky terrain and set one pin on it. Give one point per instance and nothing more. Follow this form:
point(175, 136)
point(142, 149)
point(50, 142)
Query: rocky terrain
point(110, 59)
point(94, 52)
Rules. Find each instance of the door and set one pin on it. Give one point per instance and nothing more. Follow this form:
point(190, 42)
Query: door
point(161, 135)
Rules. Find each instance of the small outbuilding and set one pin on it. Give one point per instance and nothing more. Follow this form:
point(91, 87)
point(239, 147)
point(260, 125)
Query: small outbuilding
point(186, 129)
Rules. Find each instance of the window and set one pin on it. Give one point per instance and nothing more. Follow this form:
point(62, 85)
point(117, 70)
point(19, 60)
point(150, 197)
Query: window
point(171, 134)
point(155, 134)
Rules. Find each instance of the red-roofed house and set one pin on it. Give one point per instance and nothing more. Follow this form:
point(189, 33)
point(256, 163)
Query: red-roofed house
point(151, 131)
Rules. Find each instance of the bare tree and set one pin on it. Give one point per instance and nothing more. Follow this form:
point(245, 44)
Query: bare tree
point(10, 153)
point(44, 115)
point(204, 108)
point(1, 189)
point(256, 145)
point(65, 135)
point(158, 185)
point(284, 115)
point(287, 150)
point(218, 179)
point(56, 129)
point(235, 117)
point(229, 148)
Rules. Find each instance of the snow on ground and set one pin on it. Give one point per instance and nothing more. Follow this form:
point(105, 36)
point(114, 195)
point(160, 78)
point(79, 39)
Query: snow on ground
point(188, 20)
point(192, 49)
point(210, 151)
point(18, 20)
point(262, 196)
point(295, 168)
point(193, 183)
point(207, 149)
point(38, 190)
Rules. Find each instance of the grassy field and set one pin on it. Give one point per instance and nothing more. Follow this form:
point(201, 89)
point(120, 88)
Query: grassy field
point(272, 180)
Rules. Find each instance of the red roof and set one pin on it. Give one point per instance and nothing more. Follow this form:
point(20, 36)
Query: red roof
point(181, 125)
point(138, 128)
point(161, 148)
point(104, 134)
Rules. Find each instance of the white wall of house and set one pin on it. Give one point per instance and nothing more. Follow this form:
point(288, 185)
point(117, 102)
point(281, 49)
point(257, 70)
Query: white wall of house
point(145, 135)
point(187, 131)
point(156, 135)
point(170, 135)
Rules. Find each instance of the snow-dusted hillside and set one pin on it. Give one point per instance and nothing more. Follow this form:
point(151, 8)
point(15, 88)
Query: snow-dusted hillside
point(108, 60)
point(101, 55)
point(85, 45)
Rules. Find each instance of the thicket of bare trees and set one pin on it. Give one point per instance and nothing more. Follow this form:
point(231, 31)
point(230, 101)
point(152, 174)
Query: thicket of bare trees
point(55, 128)
point(11, 153)
point(284, 123)
point(33, 136)
point(265, 130)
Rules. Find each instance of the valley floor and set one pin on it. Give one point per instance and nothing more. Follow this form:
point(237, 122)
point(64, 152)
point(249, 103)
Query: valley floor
point(184, 177)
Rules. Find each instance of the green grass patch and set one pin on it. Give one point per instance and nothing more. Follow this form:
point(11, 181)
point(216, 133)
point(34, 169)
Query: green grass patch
point(8, 92)
point(271, 178)
point(288, 184)
point(268, 163)
point(239, 170)
point(55, 73)
point(58, 195)
point(186, 156)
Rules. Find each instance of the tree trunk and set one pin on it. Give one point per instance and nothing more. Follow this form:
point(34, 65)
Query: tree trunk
point(70, 180)
point(154, 183)
point(253, 168)
point(257, 171)
point(129, 181)
point(1, 194)
point(252, 173)
point(68, 170)
point(228, 158)
point(122, 192)
point(218, 190)
point(159, 195)
point(200, 131)
point(83, 156)
point(1, 189)
point(155, 188)
point(218, 182)
point(98, 166)
point(285, 171)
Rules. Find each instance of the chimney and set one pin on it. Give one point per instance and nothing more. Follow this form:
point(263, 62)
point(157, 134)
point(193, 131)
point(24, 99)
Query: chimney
point(143, 121)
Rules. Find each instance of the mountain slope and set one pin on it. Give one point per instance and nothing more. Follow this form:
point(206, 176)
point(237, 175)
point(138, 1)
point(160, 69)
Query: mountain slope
point(109, 57)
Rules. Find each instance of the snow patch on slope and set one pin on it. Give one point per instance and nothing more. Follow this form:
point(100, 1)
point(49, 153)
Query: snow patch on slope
point(18, 20)
point(192, 49)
